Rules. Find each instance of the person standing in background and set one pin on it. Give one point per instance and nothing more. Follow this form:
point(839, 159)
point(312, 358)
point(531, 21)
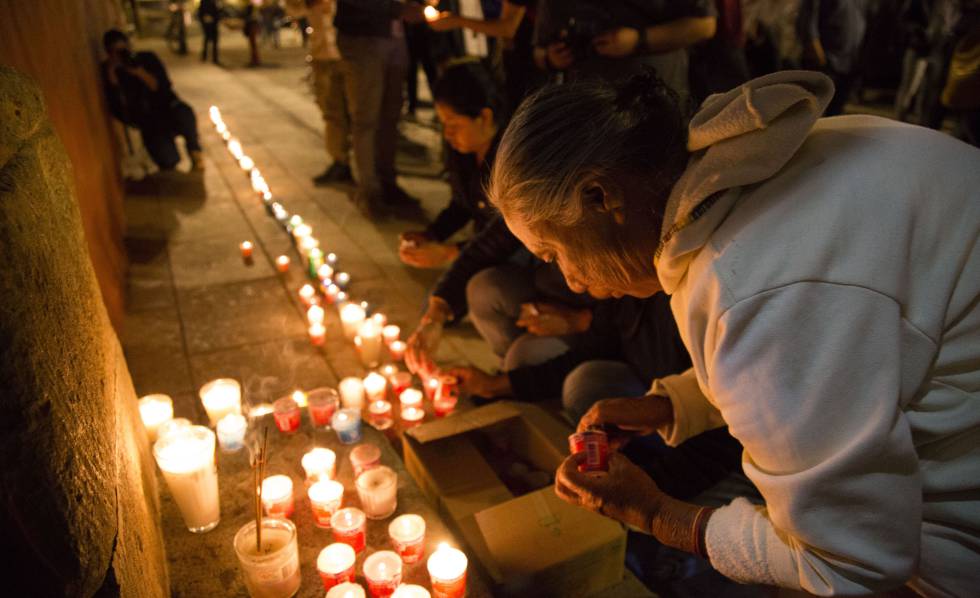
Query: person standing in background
point(832, 32)
point(209, 13)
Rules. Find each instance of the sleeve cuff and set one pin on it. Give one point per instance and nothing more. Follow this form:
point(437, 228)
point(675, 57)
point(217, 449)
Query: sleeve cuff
point(744, 546)
point(693, 413)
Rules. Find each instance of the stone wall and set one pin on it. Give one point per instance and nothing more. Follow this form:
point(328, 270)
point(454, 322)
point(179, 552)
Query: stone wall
point(78, 497)
point(59, 44)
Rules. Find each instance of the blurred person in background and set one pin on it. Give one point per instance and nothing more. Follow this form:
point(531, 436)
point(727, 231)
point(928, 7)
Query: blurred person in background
point(832, 32)
point(209, 13)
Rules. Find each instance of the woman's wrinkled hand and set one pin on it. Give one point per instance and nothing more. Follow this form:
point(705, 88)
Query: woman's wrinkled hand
point(622, 419)
point(625, 493)
point(477, 382)
point(553, 319)
point(421, 347)
point(427, 254)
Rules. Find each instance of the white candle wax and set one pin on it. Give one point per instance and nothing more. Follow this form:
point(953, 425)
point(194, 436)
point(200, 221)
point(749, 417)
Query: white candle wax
point(380, 319)
point(271, 571)
point(315, 314)
point(408, 590)
point(155, 409)
point(379, 414)
point(375, 385)
point(172, 425)
point(282, 263)
point(221, 397)
point(383, 572)
point(391, 333)
point(335, 560)
point(412, 416)
point(302, 230)
point(431, 13)
point(370, 343)
point(325, 497)
point(235, 148)
point(320, 464)
point(186, 458)
point(407, 534)
point(215, 115)
point(411, 397)
point(300, 398)
point(277, 496)
point(378, 491)
point(352, 316)
point(397, 350)
point(318, 334)
point(352, 392)
point(346, 590)
point(324, 272)
point(308, 294)
point(231, 432)
point(447, 570)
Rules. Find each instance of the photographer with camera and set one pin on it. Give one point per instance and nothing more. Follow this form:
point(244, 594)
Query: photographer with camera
point(140, 95)
point(617, 38)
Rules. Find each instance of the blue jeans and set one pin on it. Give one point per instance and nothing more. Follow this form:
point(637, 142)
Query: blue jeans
point(593, 381)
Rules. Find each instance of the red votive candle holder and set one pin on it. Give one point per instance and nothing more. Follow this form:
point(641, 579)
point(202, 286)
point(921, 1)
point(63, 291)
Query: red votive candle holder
point(595, 445)
point(349, 525)
point(396, 350)
point(277, 496)
point(335, 564)
point(383, 572)
point(287, 415)
point(325, 497)
point(412, 416)
point(400, 382)
point(282, 263)
point(322, 404)
point(364, 457)
point(246, 248)
point(447, 571)
point(379, 414)
point(407, 534)
point(430, 386)
point(446, 397)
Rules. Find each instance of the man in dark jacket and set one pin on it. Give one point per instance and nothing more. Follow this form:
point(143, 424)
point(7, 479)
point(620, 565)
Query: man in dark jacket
point(209, 13)
point(140, 95)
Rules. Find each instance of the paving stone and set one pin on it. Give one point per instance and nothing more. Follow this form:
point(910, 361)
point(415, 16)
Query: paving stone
point(162, 370)
point(215, 261)
point(149, 329)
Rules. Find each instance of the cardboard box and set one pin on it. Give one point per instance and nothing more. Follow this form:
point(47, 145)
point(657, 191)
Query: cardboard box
point(532, 544)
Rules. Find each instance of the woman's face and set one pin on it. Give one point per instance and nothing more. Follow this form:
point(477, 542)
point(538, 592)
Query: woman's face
point(466, 134)
point(608, 253)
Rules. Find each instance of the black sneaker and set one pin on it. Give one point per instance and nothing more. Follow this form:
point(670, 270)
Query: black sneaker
point(337, 173)
point(395, 196)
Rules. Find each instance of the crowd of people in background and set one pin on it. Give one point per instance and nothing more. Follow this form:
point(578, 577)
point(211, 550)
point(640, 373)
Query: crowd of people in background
point(589, 324)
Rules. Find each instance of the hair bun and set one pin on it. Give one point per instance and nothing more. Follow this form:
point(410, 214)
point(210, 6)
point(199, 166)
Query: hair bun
point(644, 88)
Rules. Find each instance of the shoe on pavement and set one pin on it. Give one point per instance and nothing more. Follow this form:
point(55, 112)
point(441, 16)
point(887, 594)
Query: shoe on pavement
point(197, 161)
point(337, 173)
point(395, 196)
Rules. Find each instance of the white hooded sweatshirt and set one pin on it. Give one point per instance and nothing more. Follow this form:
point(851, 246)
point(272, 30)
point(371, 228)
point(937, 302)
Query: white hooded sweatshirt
point(825, 277)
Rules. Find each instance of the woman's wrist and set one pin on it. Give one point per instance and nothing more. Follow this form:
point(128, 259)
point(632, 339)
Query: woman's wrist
point(678, 524)
point(438, 311)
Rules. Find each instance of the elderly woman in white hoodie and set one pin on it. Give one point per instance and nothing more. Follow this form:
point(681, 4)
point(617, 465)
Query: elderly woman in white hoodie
point(825, 277)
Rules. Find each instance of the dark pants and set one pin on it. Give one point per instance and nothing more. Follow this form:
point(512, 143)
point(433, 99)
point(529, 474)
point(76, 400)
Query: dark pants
point(843, 84)
point(210, 31)
point(419, 53)
point(159, 140)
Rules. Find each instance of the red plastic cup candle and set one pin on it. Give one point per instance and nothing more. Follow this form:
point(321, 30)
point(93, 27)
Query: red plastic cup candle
point(364, 457)
point(336, 565)
point(430, 386)
point(431, 13)
point(282, 263)
point(332, 292)
point(595, 445)
point(246, 248)
point(412, 416)
point(325, 497)
point(400, 382)
point(391, 333)
point(379, 414)
point(322, 403)
point(320, 464)
point(447, 571)
point(397, 350)
point(410, 397)
point(307, 294)
point(277, 496)
point(383, 572)
point(446, 397)
point(287, 415)
point(407, 534)
point(349, 525)
point(409, 590)
point(346, 590)
point(318, 334)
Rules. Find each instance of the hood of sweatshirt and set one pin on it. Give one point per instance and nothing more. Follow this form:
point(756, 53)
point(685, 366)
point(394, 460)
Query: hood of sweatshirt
point(737, 138)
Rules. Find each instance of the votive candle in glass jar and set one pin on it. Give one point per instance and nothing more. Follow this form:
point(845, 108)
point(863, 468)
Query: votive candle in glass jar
point(307, 295)
point(375, 386)
point(325, 496)
point(246, 249)
point(352, 392)
point(391, 333)
point(231, 432)
point(186, 458)
point(342, 279)
point(335, 564)
point(396, 350)
point(378, 491)
point(287, 415)
point(400, 381)
point(155, 409)
point(364, 457)
point(410, 397)
point(174, 425)
point(368, 342)
point(277, 496)
point(408, 590)
point(447, 571)
point(318, 334)
point(383, 572)
point(351, 317)
point(430, 386)
point(315, 314)
point(282, 263)
point(332, 291)
point(324, 272)
point(272, 570)
point(379, 414)
point(347, 424)
point(412, 416)
point(320, 464)
point(221, 397)
point(445, 398)
point(322, 404)
point(407, 534)
point(349, 525)
point(346, 590)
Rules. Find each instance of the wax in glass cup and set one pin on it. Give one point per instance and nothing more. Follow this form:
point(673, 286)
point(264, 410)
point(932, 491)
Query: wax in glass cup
point(346, 590)
point(322, 404)
point(447, 572)
point(379, 414)
point(272, 569)
point(407, 590)
point(407, 534)
point(277, 496)
point(287, 415)
point(347, 424)
point(383, 572)
point(364, 457)
point(325, 496)
point(221, 397)
point(378, 490)
point(335, 564)
point(319, 464)
point(155, 410)
point(349, 525)
point(231, 432)
point(186, 458)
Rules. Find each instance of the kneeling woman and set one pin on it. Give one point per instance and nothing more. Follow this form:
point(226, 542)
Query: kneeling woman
point(825, 277)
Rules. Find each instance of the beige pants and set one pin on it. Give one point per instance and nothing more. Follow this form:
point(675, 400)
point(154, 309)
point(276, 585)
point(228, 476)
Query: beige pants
point(328, 85)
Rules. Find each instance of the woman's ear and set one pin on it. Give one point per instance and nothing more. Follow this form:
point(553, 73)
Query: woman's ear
point(486, 114)
point(602, 197)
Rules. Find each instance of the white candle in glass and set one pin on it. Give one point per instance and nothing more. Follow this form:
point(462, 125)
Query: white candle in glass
point(397, 350)
point(307, 294)
point(282, 263)
point(302, 230)
point(246, 163)
point(447, 571)
point(380, 319)
point(335, 564)
point(235, 148)
point(370, 343)
point(231, 432)
point(375, 386)
point(407, 534)
point(155, 409)
point(411, 397)
point(383, 572)
point(221, 397)
point(215, 115)
point(391, 333)
point(172, 425)
point(320, 464)
point(308, 244)
point(346, 590)
point(325, 497)
point(352, 316)
point(352, 392)
point(412, 416)
point(378, 491)
point(277, 496)
point(342, 279)
point(315, 314)
point(408, 590)
point(324, 272)
point(318, 334)
point(186, 458)
point(272, 570)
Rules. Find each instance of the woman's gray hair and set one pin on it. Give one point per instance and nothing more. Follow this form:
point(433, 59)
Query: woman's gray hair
point(565, 135)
